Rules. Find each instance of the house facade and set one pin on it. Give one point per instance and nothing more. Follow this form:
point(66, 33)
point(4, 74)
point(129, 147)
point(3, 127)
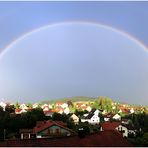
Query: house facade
point(75, 118)
point(47, 129)
point(126, 130)
point(91, 118)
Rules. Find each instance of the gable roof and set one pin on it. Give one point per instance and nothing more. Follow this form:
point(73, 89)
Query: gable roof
point(129, 127)
point(42, 125)
point(110, 125)
point(101, 139)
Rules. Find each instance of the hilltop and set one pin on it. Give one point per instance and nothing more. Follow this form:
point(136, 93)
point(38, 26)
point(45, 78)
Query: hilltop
point(73, 99)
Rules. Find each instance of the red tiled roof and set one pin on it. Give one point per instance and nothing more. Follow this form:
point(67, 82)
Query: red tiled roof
point(59, 103)
point(48, 111)
point(42, 125)
point(101, 139)
point(18, 110)
point(110, 125)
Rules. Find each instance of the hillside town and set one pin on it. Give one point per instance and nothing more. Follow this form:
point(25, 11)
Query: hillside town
point(121, 124)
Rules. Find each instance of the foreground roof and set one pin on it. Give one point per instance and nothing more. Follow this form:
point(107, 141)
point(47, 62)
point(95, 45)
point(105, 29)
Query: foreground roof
point(105, 138)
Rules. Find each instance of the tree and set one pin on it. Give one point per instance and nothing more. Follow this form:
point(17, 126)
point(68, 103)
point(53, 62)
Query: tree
point(17, 105)
point(70, 104)
point(10, 108)
point(83, 129)
point(95, 104)
point(80, 113)
point(105, 103)
point(145, 139)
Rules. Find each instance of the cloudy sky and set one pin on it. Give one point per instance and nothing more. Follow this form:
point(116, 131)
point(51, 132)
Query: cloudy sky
point(53, 50)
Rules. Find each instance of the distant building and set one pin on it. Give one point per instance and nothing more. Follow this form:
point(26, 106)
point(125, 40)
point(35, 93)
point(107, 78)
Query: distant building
point(23, 106)
point(3, 105)
point(116, 117)
point(75, 118)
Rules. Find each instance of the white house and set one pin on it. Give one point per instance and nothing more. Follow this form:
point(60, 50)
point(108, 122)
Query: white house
point(46, 108)
point(3, 105)
point(64, 105)
point(35, 105)
point(106, 118)
point(48, 113)
point(44, 105)
point(125, 130)
point(132, 111)
point(23, 107)
point(120, 111)
point(117, 117)
point(88, 108)
point(66, 110)
point(91, 118)
point(19, 111)
point(50, 106)
point(126, 121)
point(96, 112)
point(104, 112)
point(113, 107)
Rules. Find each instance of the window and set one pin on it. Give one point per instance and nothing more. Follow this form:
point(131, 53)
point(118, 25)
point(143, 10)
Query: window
point(57, 131)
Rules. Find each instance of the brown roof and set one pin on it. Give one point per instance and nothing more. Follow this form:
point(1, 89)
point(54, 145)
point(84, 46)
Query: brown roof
point(42, 125)
point(101, 139)
point(110, 125)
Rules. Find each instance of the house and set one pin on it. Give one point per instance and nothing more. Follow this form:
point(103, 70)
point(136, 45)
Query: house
point(66, 110)
point(27, 134)
point(104, 112)
point(59, 110)
point(132, 111)
point(19, 111)
point(45, 108)
point(108, 116)
point(81, 106)
point(49, 129)
point(35, 105)
point(110, 125)
point(3, 105)
point(50, 106)
point(91, 118)
point(59, 104)
point(88, 108)
point(44, 105)
point(64, 105)
point(126, 130)
point(75, 118)
point(108, 138)
point(48, 113)
point(23, 107)
point(126, 121)
point(116, 117)
point(120, 111)
point(96, 111)
point(113, 107)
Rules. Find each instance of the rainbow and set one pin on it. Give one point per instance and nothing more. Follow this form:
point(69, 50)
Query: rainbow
point(123, 33)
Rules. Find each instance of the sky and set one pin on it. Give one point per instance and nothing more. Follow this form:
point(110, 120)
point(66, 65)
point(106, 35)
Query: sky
point(75, 58)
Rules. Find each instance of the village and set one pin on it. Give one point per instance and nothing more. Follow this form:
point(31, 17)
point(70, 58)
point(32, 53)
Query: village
point(40, 121)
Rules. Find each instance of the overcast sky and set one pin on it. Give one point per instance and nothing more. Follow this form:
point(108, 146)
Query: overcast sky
point(74, 59)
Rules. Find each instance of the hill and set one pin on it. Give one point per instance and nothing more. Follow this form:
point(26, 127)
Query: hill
point(73, 99)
